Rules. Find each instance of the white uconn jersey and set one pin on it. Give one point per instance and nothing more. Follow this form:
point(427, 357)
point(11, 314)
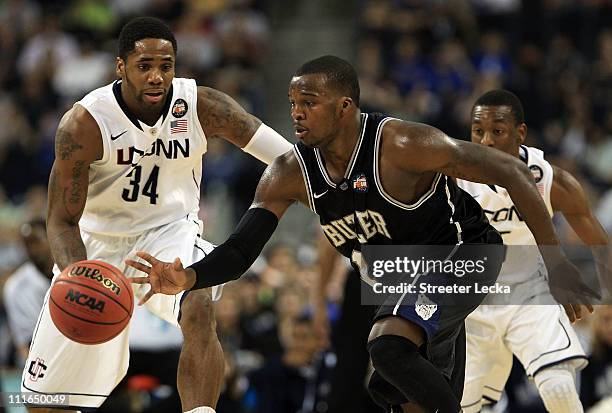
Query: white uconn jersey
point(149, 175)
point(521, 262)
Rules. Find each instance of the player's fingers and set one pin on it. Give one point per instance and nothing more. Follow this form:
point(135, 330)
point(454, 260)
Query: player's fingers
point(590, 308)
point(178, 265)
point(569, 310)
point(147, 257)
point(577, 311)
point(140, 280)
point(138, 265)
point(146, 297)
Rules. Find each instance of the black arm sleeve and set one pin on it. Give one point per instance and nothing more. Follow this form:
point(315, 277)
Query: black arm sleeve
point(235, 256)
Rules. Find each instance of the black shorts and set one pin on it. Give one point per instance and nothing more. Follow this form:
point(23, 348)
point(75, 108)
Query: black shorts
point(441, 315)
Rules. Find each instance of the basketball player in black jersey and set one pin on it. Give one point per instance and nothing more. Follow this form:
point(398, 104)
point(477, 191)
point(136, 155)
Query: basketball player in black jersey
point(378, 181)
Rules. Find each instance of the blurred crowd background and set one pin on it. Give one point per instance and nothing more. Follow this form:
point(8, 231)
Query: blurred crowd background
point(421, 60)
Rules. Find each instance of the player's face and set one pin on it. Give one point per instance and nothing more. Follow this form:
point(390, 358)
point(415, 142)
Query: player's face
point(36, 244)
point(148, 72)
point(495, 126)
point(315, 109)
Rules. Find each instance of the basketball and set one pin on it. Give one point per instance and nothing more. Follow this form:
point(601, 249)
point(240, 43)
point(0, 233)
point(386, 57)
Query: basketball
point(91, 302)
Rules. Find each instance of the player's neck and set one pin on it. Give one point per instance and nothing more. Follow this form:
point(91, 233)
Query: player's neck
point(338, 152)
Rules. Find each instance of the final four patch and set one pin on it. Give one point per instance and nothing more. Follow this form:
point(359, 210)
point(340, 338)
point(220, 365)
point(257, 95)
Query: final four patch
point(360, 183)
point(537, 173)
point(179, 109)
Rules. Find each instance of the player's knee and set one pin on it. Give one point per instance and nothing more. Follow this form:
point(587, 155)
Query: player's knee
point(383, 392)
point(557, 389)
point(385, 350)
point(197, 312)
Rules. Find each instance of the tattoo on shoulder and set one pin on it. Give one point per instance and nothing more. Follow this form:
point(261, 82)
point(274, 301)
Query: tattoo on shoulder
point(66, 145)
point(223, 115)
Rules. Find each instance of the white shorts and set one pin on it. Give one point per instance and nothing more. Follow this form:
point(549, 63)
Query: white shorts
point(88, 373)
point(538, 335)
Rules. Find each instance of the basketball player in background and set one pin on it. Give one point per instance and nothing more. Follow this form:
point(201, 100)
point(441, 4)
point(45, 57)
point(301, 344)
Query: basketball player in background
point(126, 177)
point(25, 289)
point(376, 180)
point(536, 331)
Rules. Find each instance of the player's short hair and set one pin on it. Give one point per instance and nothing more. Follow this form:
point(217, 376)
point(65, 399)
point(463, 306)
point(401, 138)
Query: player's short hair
point(502, 97)
point(143, 28)
point(27, 227)
point(340, 74)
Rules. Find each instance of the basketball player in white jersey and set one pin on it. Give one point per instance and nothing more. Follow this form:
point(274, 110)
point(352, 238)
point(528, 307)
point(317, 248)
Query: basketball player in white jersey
point(127, 177)
point(540, 336)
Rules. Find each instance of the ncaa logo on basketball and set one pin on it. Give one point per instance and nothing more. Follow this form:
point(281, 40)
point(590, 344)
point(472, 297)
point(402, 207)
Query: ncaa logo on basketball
point(94, 274)
point(179, 109)
point(85, 300)
point(360, 183)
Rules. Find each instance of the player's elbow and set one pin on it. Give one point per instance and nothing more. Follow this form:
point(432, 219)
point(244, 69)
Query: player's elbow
point(58, 221)
point(514, 173)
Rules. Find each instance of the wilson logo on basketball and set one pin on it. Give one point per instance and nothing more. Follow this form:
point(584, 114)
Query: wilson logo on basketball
point(85, 300)
point(95, 275)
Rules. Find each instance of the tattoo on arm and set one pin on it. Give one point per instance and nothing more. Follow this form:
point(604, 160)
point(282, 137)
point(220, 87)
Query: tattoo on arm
point(76, 190)
point(456, 167)
point(224, 118)
point(65, 145)
point(66, 201)
point(67, 247)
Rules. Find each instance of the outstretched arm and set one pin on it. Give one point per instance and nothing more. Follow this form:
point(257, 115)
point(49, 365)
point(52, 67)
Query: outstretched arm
point(568, 197)
point(422, 148)
point(280, 186)
point(418, 148)
point(222, 117)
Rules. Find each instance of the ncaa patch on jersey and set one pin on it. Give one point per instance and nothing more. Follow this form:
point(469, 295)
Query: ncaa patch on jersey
point(179, 109)
point(537, 173)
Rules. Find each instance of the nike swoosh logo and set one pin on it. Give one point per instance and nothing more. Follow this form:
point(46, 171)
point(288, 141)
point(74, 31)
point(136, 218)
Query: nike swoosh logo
point(317, 196)
point(117, 136)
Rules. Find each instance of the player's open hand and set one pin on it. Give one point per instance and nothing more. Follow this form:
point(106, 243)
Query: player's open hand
point(164, 277)
point(567, 287)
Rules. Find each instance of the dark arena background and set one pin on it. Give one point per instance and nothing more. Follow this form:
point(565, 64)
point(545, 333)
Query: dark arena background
point(419, 60)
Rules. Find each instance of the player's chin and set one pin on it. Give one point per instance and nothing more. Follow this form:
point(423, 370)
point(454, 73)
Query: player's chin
point(311, 142)
point(154, 101)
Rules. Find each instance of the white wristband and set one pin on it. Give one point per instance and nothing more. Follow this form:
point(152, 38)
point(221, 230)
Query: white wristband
point(266, 144)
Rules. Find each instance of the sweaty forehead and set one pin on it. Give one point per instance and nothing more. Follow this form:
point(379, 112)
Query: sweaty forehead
point(311, 84)
point(153, 48)
point(492, 113)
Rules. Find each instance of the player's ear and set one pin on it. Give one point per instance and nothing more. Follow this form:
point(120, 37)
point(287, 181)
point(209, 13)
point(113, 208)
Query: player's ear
point(346, 103)
point(522, 133)
point(119, 67)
